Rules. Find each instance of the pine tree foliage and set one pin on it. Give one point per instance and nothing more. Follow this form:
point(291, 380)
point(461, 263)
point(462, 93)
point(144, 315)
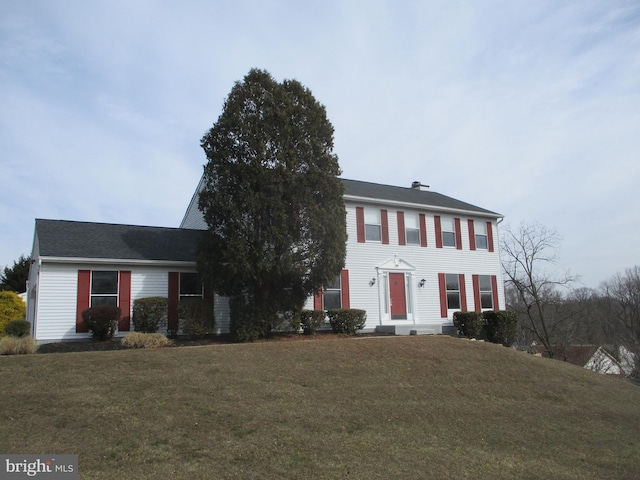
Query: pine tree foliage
point(15, 278)
point(272, 198)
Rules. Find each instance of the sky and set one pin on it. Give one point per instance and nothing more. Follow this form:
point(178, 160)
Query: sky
point(527, 108)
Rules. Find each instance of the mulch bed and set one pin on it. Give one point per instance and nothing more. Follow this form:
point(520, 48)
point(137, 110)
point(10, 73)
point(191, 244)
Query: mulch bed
point(89, 346)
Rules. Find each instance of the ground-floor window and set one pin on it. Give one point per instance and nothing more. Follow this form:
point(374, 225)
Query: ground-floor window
point(104, 288)
point(453, 291)
point(332, 295)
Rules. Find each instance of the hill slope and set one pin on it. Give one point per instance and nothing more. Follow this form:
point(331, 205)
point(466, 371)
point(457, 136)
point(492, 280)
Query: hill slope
point(403, 407)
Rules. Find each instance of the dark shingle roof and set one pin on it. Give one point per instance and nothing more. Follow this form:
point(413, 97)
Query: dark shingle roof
point(68, 239)
point(409, 195)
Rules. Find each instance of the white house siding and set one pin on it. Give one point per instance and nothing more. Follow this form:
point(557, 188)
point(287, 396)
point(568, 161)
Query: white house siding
point(57, 290)
point(362, 259)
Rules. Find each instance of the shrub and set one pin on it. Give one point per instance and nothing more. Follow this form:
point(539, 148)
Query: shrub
point(347, 320)
point(311, 321)
point(196, 316)
point(145, 340)
point(11, 308)
point(469, 324)
point(102, 321)
point(17, 345)
point(249, 322)
point(150, 314)
point(502, 326)
point(17, 328)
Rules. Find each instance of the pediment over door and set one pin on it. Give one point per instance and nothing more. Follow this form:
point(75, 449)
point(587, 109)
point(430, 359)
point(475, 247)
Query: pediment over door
point(396, 264)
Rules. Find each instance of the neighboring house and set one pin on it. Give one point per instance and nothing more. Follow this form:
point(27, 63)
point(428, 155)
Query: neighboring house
point(592, 357)
point(413, 258)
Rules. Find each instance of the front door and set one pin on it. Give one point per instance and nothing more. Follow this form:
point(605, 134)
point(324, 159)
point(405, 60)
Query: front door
point(397, 296)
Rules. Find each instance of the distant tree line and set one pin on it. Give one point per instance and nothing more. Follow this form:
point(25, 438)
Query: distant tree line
point(552, 313)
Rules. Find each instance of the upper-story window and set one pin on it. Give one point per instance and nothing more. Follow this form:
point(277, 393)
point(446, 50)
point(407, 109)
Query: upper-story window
point(412, 228)
point(481, 235)
point(104, 288)
point(448, 231)
point(372, 225)
point(190, 285)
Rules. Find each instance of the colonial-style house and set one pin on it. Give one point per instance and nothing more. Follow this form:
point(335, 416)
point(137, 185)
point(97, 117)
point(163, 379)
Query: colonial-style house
point(413, 258)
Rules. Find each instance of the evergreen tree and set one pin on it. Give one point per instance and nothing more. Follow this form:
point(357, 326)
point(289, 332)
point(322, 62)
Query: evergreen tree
point(15, 278)
point(272, 198)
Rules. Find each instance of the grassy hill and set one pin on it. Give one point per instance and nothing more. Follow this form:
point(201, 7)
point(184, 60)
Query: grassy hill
point(389, 407)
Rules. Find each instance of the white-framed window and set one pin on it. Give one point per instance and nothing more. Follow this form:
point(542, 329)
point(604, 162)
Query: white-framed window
point(412, 228)
point(480, 229)
point(453, 291)
point(448, 231)
point(190, 285)
point(104, 288)
point(372, 225)
point(332, 295)
point(486, 291)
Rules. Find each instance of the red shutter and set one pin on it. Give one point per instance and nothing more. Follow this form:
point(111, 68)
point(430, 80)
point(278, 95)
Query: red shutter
point(472, 235)
point(463, 293)
point(174, 297)
point(458, 234)
point(438, 225)
point(344, 285)
point(384, 219)
point(124, 302)
point(317, 301)
point(423, 230)
point(360, 224)
point(401, 233)
point(494, 291)
point(476, 292)
point(208, 292)
point(490, 236)
point(83, 299)
point(442, 283)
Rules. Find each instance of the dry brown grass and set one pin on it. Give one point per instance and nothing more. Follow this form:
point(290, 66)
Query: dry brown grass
point(402, 408)
point(145, 340)
point(17, 345)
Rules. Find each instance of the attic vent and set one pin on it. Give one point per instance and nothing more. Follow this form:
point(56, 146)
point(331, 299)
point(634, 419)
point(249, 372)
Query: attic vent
point(419, 186)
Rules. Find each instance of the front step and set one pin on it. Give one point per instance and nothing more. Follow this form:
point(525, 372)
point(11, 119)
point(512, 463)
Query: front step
point(409, 329)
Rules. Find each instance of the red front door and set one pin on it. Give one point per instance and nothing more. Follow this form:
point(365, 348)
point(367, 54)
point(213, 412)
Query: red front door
point(398, 297)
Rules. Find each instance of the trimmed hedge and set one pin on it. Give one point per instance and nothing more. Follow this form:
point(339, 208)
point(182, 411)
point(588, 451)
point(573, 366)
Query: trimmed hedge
point(311, 321)
point(145, 340)
point(469, 324)
point(102, 321)
point(196, 316)
point(150, 314)
point(17, 328)
point(347, 320)
point(502, 326)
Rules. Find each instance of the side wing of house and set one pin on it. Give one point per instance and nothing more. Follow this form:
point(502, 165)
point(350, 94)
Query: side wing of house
point(78, 265)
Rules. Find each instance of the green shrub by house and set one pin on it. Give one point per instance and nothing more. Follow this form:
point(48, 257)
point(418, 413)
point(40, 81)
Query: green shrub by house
point(196, 316)
point(502, 326)
point(311, 321)
point(150, 314)
point(347, 320)
point(102, 321)
point(17, 328)
point(11, 308)
point(469, 324)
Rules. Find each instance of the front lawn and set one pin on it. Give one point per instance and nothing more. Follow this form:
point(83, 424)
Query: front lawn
point(392, 407)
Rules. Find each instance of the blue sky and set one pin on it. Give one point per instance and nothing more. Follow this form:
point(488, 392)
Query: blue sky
point(530, 109)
